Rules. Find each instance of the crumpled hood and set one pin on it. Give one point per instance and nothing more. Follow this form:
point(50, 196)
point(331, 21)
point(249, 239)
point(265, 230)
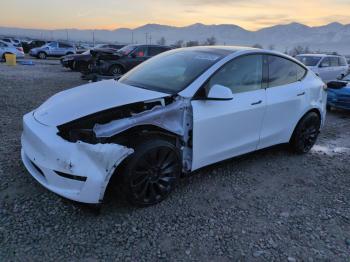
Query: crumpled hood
point(88, 99)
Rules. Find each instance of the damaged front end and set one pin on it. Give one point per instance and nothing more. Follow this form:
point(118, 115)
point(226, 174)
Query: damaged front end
point(77, 159)
point(130, 124)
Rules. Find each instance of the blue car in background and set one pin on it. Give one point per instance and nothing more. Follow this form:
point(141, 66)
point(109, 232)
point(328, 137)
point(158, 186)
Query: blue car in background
point(339, 93)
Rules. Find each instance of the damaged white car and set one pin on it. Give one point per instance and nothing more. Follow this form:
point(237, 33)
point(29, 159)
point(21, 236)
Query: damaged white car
point(175, 113)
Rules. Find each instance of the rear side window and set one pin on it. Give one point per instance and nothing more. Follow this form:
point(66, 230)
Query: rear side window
point(283, 71)
point(334, 61)
point(62, 45)
point(155, 50)
point(342, 61)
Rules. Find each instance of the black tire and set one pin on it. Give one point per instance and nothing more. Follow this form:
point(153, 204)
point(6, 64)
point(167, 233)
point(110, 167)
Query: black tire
point(42, 55)
point(116, 70)
point(152, 172)
point(72, 66)
point(306, 133)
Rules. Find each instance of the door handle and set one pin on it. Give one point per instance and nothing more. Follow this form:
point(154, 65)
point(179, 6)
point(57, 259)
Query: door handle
point(301, 94)
point(257, 103)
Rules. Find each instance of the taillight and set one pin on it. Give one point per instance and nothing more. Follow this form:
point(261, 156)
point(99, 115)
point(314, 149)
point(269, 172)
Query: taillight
point(19, 49)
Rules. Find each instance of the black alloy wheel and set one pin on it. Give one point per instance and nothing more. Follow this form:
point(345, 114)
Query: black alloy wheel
point(152, 173)
point(116, 70)
point(306, 133)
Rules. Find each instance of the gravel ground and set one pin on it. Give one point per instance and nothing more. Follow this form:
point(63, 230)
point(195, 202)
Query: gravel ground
point(270, 205)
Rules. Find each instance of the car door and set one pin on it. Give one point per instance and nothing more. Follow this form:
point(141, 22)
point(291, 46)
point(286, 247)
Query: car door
point(224, 129)
point(53, 49)
point(285, 100)
point(325, 69)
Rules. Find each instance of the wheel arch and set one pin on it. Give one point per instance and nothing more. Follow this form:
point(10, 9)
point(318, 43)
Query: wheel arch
point(315, 110)
point(145, 132)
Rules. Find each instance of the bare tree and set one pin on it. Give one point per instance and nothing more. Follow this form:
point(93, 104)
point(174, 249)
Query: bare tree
point(211, 41)
point(179, 43)
point(192, 43)
point(161, 41)
point(257, 46)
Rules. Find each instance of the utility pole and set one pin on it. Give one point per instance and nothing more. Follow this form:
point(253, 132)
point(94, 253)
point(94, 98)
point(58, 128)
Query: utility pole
point(132, 37)
point(67, 33)
point(150, 38)
point(93, 37)
point(146, 38)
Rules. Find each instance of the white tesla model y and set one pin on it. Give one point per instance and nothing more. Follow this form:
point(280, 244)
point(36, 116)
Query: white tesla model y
point(177, 112)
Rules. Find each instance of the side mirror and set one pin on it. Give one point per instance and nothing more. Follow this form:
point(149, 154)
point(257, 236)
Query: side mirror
point(219, 92)
point(337, 84)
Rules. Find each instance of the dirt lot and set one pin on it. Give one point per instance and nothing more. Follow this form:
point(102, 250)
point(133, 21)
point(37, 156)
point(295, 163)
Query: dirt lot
point(270, 205)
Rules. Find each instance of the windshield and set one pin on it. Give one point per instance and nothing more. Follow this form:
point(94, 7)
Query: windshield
point(172, 71)
point(309, 60)
point(126, 50)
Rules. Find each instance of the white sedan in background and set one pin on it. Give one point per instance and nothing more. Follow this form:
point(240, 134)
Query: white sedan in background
point(7, 48)
point(177, 112)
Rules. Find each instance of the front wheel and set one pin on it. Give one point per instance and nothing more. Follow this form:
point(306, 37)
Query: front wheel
point(152, 172)
point(42, 55)
point(306, 133)
point(116, 70)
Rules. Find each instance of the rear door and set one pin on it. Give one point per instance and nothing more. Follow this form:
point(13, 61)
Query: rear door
point(285, 98)
point(224, 129)
point(325, 69)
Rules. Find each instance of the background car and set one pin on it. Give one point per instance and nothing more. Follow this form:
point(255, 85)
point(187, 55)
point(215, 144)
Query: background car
point(81, 62)
point(339, 93)
point(7, 48)
point(328, 67)
point(175, 113)
point(53, 49)
point(27, 46)
point(125, 59)
point(14, 42)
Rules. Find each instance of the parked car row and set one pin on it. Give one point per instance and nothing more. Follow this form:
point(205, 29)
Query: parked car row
point(109, 61)
point(9, 48)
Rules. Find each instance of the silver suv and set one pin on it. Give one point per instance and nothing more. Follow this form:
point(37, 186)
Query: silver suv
point(328, 67)
point(53, 49)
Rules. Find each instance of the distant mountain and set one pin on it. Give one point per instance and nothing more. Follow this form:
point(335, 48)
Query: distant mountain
point(331, 37)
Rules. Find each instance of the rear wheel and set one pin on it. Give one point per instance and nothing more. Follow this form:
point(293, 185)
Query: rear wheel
point(152, 172)
point(306, 133)
point(42, 55)
point(116, 70)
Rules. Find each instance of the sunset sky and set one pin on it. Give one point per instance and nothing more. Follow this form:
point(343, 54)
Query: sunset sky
point(112, 14)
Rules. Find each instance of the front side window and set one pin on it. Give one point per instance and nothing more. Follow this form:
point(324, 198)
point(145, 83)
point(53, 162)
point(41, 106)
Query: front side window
point(53, 45)
point(326, 62)
point(242, 74)
point(126, 50)
point(283, 71)
point(141, 51)
point(334, 61)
